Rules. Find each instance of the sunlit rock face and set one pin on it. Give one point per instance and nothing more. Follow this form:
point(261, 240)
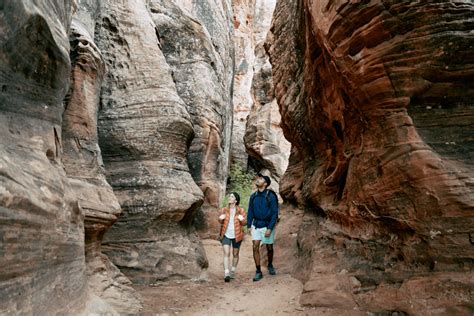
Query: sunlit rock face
point(83, 164)
point(244, 43)
point(197, 44)
point(257, 138)
point(144, 133)
point(264, 140)
point(376, 99)
point(41, 222)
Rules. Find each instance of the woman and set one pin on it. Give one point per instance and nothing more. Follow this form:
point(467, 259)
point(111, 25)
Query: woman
point(232, 219)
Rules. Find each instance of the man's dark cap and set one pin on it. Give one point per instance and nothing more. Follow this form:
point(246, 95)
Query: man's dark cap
point(266, 178)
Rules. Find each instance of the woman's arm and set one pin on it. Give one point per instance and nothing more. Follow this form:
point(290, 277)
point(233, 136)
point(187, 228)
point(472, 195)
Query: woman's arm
point(243, 221)
point(221, 216)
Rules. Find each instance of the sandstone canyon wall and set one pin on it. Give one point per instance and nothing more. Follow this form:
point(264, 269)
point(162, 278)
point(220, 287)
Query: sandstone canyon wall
point(244, 71)
point(102, 134)
point(41, 222)
point(82, 159)
point(197, 42)
point(264, 140)
point(376, 99)
point(144, 134)
point(257, 138)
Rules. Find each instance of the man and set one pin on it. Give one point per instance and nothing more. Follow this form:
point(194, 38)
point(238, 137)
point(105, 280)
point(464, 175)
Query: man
point(261, 218)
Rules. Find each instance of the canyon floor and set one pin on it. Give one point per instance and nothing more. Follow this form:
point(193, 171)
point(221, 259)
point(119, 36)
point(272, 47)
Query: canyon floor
point(274, 295)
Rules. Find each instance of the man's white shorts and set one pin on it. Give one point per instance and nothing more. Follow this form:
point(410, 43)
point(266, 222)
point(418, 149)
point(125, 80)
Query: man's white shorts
point(259, 234)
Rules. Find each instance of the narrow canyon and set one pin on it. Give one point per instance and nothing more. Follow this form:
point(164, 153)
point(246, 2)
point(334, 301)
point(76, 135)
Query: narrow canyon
point(123, 123)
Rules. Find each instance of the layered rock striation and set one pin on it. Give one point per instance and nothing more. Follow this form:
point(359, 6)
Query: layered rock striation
point(376, 99)
point(100, 128)
point(144, 134)
point(83, 163)
point(41, 222)
point(196, 41)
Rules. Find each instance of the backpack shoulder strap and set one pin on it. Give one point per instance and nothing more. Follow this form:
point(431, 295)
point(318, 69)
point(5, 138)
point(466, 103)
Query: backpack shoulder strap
point(271, 192)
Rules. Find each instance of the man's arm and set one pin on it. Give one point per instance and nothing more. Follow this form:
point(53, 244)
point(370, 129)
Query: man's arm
point(274, 210)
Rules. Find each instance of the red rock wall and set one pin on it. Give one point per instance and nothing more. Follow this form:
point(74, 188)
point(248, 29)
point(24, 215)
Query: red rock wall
point(376, 99)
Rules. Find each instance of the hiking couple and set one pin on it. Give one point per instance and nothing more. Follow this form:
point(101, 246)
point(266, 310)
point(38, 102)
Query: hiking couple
point(260, 220)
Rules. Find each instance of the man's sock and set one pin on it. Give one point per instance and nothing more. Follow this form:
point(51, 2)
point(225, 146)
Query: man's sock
point(226, 271)
point(233, 269)
point(258, 269)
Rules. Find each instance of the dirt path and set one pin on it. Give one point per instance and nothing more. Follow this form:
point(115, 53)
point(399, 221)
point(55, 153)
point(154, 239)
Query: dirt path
point(274, 295)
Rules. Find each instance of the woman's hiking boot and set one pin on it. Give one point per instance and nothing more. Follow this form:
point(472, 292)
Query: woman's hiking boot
point(258, 276)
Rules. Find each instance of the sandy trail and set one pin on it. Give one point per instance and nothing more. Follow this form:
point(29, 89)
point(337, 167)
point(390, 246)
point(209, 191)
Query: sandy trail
point(274, 295)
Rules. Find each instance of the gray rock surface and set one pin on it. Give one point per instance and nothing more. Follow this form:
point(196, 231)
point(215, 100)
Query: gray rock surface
point(197, 45)
point(257, 139)
point(83, 163)
point(144, 134)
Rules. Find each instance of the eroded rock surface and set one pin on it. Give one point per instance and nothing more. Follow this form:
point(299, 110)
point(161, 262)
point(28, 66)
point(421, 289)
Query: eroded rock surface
point(144, 134)
point(376, 99)
point(41, 222)
point(257, 121)
point(83, 163)
point(197, 45)
point(244, 11)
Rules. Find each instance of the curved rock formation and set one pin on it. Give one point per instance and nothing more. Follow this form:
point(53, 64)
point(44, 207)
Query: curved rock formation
point(41, 223)
point(244, 43)
point(83, 163)
point(376, 99)
point(144, 134)
point(265, 144)
point(202, 71)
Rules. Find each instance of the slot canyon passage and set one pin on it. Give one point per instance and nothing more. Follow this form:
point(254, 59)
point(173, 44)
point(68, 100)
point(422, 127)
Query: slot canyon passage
point(124, 124)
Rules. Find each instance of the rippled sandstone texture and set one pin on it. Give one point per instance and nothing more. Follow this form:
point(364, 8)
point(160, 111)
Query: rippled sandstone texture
point(376, 99)
point(144, 134)
point(196, 40)
point(83, 163)
point(41, 222)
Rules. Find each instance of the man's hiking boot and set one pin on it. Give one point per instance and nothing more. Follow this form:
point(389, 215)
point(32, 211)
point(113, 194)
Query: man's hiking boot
point(227, 278)
point(258, 276)
point(232, 274)
point(271, 270)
